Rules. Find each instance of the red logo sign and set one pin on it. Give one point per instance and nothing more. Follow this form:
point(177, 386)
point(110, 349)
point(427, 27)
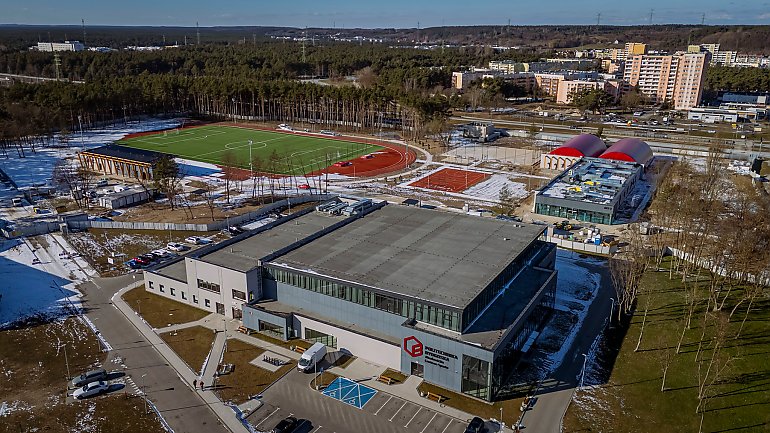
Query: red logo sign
point(413, 346)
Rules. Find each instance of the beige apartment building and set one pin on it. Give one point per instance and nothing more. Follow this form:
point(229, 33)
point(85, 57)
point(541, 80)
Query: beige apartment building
point(676, 78)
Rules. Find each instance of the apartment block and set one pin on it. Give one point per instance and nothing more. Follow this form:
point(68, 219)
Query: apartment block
point(676, 78)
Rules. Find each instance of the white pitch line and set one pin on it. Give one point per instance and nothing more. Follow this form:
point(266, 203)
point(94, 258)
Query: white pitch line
point(265, 419)
point(383, 405)
point(413, 417)
point(431, 420)
point(399, 410)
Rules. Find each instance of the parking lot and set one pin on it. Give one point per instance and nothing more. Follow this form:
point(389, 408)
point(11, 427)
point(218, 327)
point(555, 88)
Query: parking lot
point(383, 413)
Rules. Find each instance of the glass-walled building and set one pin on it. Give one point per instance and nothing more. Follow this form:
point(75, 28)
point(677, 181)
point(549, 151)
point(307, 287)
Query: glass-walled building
point(449, 297)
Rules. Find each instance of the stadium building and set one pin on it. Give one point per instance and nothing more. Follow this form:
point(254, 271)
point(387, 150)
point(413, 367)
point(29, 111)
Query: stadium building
point(451, 298)
point(570, 152)
point(123, 161)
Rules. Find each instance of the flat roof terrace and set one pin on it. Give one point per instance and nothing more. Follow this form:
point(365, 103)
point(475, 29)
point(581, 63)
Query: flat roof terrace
point(442, 257)
point(244, 255)
point(592, 180)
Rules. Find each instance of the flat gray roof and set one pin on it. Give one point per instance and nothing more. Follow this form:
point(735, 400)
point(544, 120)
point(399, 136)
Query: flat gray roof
point(443, 257)
point(243, 255)
point(176, 270)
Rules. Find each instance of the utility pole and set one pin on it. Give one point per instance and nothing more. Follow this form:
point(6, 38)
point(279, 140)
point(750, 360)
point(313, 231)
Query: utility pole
point(83, 22)
point(599, 19)
point(198, 33)
point(651, 12)
point(703, 19)
point(304, 37)
point(57, 65)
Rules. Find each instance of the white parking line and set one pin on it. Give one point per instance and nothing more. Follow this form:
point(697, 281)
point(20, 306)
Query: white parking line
point(447, 426)
point(413, 417)
point(389, 399)
point(319, 428)
point(399, 410)
point(431, 420)
point(265, 419)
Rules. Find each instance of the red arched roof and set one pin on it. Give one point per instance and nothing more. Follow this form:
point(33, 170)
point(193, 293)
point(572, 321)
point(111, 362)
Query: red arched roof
point(629, 149)
point(582, 145)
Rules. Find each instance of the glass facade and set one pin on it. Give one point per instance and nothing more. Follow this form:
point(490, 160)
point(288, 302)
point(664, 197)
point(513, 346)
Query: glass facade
point(320, 337)
point(578, 214)
point(442, 317)
point(270, 329)
point(475, 379)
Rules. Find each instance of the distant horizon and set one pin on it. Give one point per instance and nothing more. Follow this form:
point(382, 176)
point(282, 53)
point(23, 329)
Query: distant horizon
point(398, 14)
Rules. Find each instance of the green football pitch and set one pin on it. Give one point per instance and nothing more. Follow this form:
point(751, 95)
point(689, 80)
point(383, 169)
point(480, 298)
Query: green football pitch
point(297, 154)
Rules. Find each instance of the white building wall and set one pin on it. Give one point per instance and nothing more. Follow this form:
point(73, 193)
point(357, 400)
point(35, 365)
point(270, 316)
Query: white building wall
point(377, 351)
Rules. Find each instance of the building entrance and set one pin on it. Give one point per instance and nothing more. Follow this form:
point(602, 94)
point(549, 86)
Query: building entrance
point(418, 369)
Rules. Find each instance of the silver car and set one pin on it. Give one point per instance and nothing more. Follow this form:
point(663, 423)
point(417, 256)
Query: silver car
point(92, 389)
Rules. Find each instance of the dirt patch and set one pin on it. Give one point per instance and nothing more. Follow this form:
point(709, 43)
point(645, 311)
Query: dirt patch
point(247, 379)
point(33, 375)
point(160, 312)
point(191, 344)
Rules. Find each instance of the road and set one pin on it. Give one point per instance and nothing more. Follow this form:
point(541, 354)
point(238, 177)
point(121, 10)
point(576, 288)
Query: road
point(182, 408)
point(556, 393)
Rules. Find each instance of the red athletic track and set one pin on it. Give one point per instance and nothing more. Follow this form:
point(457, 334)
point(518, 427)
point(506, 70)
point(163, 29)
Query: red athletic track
point(451, 180)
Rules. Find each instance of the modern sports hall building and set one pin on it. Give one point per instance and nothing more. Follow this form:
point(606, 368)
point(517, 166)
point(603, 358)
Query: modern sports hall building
point(452, 298)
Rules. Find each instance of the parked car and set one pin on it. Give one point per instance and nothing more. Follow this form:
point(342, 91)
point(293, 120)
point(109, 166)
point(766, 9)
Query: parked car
point(304, 186)
point(141, 261)
point(475, 426)
point(286, 425)
point(343, 164)
point(235, 230)
point(195, 240)
point(160, 253)
point(90, 376)
point(92, 389)
point(176, 246)
point(149, 257)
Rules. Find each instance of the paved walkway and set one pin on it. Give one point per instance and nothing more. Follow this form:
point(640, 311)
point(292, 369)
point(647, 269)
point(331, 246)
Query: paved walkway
point(217, 350)
point(223, 412)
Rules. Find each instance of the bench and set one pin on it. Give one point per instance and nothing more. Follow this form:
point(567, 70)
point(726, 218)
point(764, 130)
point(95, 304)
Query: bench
point(245, 330)
point(298, 349)
point(386, 380)
point(435, 397)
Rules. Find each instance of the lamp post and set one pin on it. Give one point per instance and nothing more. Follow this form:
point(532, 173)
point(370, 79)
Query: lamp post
point(144, 392)
point(612, 309)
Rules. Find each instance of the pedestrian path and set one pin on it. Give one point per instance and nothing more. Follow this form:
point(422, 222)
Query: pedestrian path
point(217, 350)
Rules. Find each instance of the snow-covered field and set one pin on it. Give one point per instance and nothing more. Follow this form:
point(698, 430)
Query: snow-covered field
point(490, 188)
point(38, 281)
point(35, 167)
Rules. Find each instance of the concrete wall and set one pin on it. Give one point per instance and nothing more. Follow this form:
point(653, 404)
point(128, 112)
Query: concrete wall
point(383, 353)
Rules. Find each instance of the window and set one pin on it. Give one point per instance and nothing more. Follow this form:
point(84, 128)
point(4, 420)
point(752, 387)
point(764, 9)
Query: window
point(150, 283)
point(195, 299)
point(172, 291)
point(270, 329)
point(161, 289)
point(475, 377)
point(206, 302)
point(237, 294)
point(205, 285)
point(184, 296)
point(320, 337)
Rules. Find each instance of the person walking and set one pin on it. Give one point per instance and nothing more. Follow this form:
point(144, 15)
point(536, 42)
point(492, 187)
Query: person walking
point(195, 383)
point(201, 385)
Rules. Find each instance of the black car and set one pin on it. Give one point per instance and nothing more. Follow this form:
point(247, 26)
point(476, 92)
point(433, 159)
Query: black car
point(475, 426)
point(286, 425)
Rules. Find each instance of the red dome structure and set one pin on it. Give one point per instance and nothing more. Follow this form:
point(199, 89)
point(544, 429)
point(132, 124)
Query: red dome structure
point(629, 150)
point(580, 146)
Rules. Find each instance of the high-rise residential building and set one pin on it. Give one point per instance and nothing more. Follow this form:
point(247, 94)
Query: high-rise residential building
point(628, 50)
point(677, 79)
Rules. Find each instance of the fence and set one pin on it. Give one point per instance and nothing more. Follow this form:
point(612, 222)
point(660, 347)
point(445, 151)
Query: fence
point(581, 246)
point(213, 226)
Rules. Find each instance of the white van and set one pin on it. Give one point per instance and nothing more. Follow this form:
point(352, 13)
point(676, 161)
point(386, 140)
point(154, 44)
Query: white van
point(311, 357)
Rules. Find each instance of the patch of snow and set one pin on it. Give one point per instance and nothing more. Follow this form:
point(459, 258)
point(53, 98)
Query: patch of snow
point(490, 188)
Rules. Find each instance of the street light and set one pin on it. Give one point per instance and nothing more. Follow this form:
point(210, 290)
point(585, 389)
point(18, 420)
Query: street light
point(612, 308)
point(144, 392)
point(583, 372)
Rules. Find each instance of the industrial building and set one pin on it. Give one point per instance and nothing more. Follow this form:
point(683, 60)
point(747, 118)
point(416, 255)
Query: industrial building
point(448, 297)
point(60, 46)
point(572, 151)
point(591, 190)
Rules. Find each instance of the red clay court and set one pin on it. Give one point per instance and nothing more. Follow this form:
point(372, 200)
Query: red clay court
point(451, 180)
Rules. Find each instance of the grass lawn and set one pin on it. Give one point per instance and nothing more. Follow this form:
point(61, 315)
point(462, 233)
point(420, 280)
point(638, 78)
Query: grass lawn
point(191, 344)
point(160, 312)
point(33, 375)
point(247, 379)
point(511, 407)
point(739, 401)
point(299, 154)
point(324, 379)
point(395, 375)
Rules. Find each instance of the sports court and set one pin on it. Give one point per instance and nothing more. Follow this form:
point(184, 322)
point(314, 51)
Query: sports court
point(349, 392)
point(289, 153)
point(451, 180)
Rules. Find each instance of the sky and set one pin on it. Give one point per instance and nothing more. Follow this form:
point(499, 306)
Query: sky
point(380, 14)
